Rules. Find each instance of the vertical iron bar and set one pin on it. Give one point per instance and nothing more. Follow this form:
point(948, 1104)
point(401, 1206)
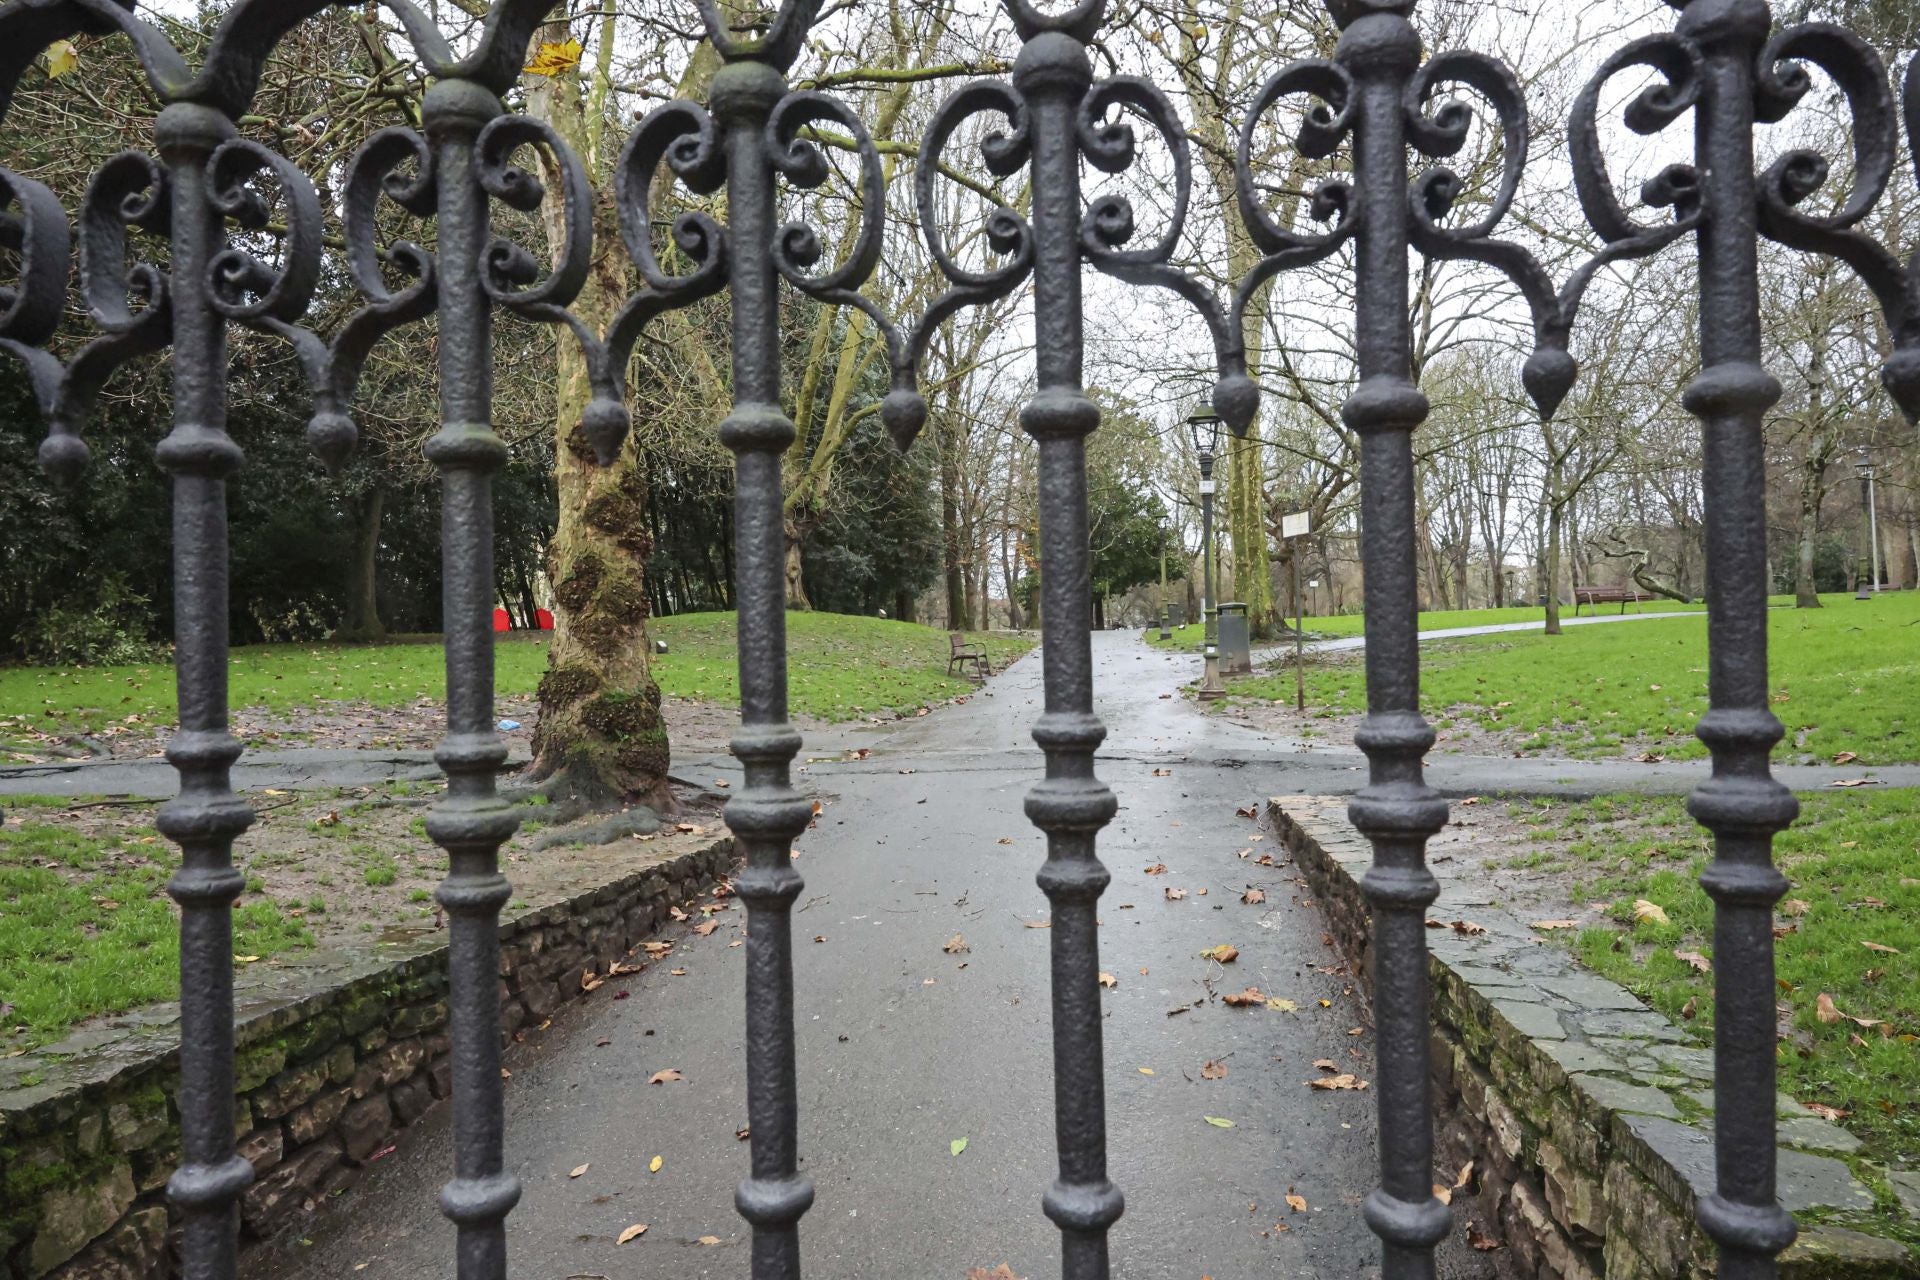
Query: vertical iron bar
point(472, 822)
point(1071, 805)
point(206, 817)
point(766, 815)
point(1396, 810)
point(1740, 803)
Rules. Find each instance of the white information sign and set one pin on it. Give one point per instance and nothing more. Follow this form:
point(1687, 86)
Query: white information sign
point(1296, 526)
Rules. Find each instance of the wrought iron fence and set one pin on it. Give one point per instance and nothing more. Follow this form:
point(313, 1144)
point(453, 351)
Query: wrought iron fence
point(1375, 100)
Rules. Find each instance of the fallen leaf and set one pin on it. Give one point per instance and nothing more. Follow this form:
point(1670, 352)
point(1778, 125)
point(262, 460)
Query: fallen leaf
point(708, 1240)
point(1217, 1122)
point(670, 1076)
point(1254, 897)
point(1039, 924)
point(1845, 757)
point(677, 914)
point(956, 945)
point(1246, 811)
point(1881, 947)
point(1825, 1112)
point(1001, 1272)
point(1650, 912)
point(706, 930)
point(1004, 840)
point(633, 1232)
point(1175, 895)
point(1825, 1010)
point(577, 1170)
point(1795, 907)
point(1326, 1064)
point(1244, 999)
point(1282, 1006)
point(1108, 980)
point(1468, 927)
point(1338, 1082)
point(658, 949)
point(743, 1132)
point(1213, 1070)
point(1442, 1193)
point(677, 973)
point(1157, 869)
point(555, 58)
point(1859, 782)
point(1691, 1007)
point(1480, 1239)
point(1546, 926)
point(653, 1165)
point(62, 58)
point(721, 782)
point(1222, 954)
point(1694, 958)
point(1465, 1176)
point(1145, 1071)
point(956, 1146)
point(1296, 1203)
point(819, 937)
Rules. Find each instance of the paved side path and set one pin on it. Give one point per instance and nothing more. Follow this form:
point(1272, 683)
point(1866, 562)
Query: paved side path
point(904, 1048)
point(1344, 644)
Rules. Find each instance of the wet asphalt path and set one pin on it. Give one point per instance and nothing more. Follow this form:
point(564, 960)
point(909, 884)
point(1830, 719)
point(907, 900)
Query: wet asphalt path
point(904, 1048)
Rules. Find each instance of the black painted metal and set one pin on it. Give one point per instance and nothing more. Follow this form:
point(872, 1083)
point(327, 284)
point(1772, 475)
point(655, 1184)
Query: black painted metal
point(1377, 93)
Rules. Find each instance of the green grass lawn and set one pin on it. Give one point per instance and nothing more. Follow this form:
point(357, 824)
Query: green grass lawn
point(87, 928)
point(1854, 861)
point(1843, 680)
point(1352, 624)
point(841, 668)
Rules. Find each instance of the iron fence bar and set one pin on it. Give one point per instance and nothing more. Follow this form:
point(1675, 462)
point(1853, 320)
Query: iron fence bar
point(1741, 803)
point(1053, 73)
point(766, 815)
point(1396, 810)
point(472, 821)
point(206, 817)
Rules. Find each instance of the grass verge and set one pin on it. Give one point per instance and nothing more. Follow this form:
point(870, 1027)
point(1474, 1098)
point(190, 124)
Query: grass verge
point(1847, 938)
point(1839, 677)
point(840, 668)
point(87, 927)
point(1352, 624)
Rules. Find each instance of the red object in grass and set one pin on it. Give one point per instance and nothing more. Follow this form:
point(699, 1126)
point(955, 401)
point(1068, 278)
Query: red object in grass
point(543, 618)
point(501, 622)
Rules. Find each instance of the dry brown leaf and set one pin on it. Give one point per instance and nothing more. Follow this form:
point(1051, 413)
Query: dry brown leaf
point(669, 1076)
point(1108, 980)
point(1039, 924)
point(1213, 1070)
point(1246, 811)
point(1157, 869)
point(1337, 1082)
point(1296, 1203)
point(658, 949)
point(1004, 840)
point(1825, 1112)
point(1480, 1239)
point(955, 945)
point(1845, 757)
point(633, 1232)
point(1001, 1272)
point(1858, 782)
point(1650, 912)
point(577, 1170)
point(1243, 999)
point(1222, 954)
point(1326, 1064)
point(1174, 895)
point(1881, 947)
point(1825, 1010)
point(1254, 897)
point(1465, 1176)
point(708, 1240)
point(1795, 907)
point(1694, 958)
point(1442, 1193)
point(1546, 926)
point(1468, 927)
point(706, 930)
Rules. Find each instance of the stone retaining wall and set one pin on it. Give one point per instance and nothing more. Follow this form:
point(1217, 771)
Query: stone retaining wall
point(1587, 1116)
point(338, 1051)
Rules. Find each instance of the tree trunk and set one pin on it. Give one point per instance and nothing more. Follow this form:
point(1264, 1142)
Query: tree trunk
point(1556, 516)
point(796, 566)
point(600, 736)
point(363, 595)
point(1806, 593)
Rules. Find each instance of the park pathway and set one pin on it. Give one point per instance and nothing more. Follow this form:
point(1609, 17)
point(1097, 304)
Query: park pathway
point(904, 1048)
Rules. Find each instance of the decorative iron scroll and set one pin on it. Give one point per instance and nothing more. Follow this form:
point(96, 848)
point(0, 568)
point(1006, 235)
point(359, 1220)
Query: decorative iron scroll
point(203, 190)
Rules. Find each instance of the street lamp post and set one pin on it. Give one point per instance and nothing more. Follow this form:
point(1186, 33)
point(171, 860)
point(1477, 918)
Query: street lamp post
point(1864, 465)
point(1166, 631)
point(1206, 439)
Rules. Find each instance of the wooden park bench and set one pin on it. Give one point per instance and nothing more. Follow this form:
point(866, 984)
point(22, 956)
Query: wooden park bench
point(1596, 596)
point(961, 655)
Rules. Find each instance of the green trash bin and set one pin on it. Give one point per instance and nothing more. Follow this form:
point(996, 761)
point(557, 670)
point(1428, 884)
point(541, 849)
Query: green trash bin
point(1236, 643)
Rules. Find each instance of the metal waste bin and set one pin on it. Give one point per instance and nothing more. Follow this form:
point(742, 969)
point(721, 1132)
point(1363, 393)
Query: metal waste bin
point(1176, 614)
point(1236, 646)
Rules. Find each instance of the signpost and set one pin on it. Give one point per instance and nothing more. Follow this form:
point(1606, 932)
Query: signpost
point(1292, 529)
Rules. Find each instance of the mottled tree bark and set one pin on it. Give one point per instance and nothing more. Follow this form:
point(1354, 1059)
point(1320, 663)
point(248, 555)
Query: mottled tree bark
point(600, 737)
